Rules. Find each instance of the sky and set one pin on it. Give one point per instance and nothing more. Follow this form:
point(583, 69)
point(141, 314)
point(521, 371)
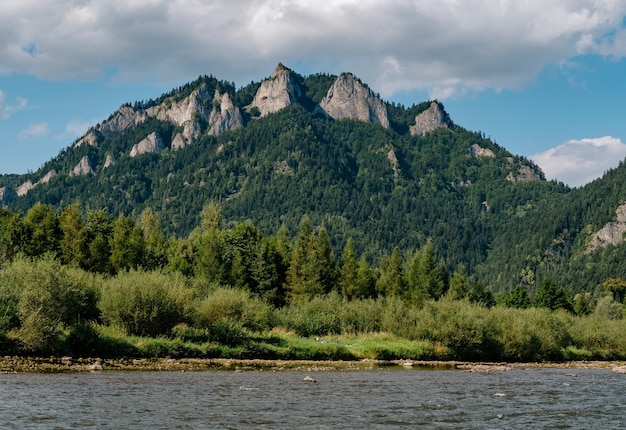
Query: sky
point(545, 79)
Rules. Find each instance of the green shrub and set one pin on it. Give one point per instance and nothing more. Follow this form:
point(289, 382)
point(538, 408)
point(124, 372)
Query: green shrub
point(229, 333)
point(146, 303)
point(41, 298)
point(318, 317)
point(233, 305)
point(83, 339)
point(190, 334)
point(361, 316)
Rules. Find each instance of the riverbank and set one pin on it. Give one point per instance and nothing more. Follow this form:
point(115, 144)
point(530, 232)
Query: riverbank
point(69, 364)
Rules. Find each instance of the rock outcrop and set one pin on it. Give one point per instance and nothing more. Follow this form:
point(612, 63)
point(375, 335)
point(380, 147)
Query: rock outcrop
point(225, 116)
point(191, 113)
point(478, 151)
point(23, 189)
point(125, 118)
point(83, 168)
point(109, 161)
point(431, 119)
point(277, 92)
point(393, 159)
point(612, 233)
point(348, 98)
point(178, 142)
point(152, 143)
point(46, 178)
point(523, 174)
point(89, 139)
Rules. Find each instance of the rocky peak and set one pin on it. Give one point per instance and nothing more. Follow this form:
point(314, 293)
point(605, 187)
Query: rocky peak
point(152, 143)
point(189, 112)
point(277, 92)
point(83, 168)
point(225, 116)
point(89, 139)
point(431, 119)
point(123, 119)
point(348, 98)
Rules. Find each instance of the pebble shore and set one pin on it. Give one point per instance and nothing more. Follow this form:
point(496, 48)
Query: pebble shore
point(10, 364)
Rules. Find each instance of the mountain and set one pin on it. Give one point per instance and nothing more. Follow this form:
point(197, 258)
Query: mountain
point(329, 148)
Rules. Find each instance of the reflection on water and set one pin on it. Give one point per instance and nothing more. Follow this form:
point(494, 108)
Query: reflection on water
point(518, 399)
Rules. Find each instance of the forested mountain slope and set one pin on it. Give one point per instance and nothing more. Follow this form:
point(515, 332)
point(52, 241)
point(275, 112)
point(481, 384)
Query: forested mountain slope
point(328, 147)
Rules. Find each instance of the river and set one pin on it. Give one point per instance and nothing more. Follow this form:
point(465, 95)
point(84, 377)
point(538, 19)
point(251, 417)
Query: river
point(383, 398)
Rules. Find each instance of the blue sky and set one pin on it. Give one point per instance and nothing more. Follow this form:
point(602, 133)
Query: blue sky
point(543, 78)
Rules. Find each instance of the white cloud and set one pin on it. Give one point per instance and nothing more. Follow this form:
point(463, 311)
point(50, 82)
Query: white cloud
point(7, 110)
point(446, 47)
point(577, 162)
point(34, 130)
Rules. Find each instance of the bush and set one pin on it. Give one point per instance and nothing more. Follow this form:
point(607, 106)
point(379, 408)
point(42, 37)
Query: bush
point(83, 339)
point(190, 334)
point(318, 317)
point(146, 303)
point(42, 297)
point(233, 305)
point(228, 333)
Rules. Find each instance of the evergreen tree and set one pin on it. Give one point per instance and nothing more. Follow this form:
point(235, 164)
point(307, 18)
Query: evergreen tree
point(550, 296)
point(518, 298)
point(348, 275)
point(459, 286)
point(391, 281)
point(73, 245)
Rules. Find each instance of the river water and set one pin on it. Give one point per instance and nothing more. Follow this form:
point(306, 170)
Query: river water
point(437, 399)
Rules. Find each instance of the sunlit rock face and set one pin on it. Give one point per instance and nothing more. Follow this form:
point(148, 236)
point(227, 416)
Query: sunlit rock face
point(277, 92)
point(431, 119)
point(348, 98)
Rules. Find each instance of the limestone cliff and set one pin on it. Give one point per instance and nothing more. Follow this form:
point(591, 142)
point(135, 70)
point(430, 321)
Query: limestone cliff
point(152, 143)
point(89, 139)
point(109, 161)
point(46, 178)
point(348, 98)
point(178, 142)
point(225, 116)
point(523, 174)
point(191, 112)
point(431, 119)
point(277, 92)
point(612, 233)
point(123, 119)
point(83, 168)
point(478, 151)
point(23, 189)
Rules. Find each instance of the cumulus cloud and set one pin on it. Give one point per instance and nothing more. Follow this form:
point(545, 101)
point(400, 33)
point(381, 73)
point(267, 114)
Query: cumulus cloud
point(446, 47)
point(6, 110)
point(34, 130)
point(577, 162)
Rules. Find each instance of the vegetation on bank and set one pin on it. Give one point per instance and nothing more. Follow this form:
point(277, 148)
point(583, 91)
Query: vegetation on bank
point(47, 308)
point(99, 286)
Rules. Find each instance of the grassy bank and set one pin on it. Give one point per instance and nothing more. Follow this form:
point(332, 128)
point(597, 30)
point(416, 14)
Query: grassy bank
point(47, 309)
